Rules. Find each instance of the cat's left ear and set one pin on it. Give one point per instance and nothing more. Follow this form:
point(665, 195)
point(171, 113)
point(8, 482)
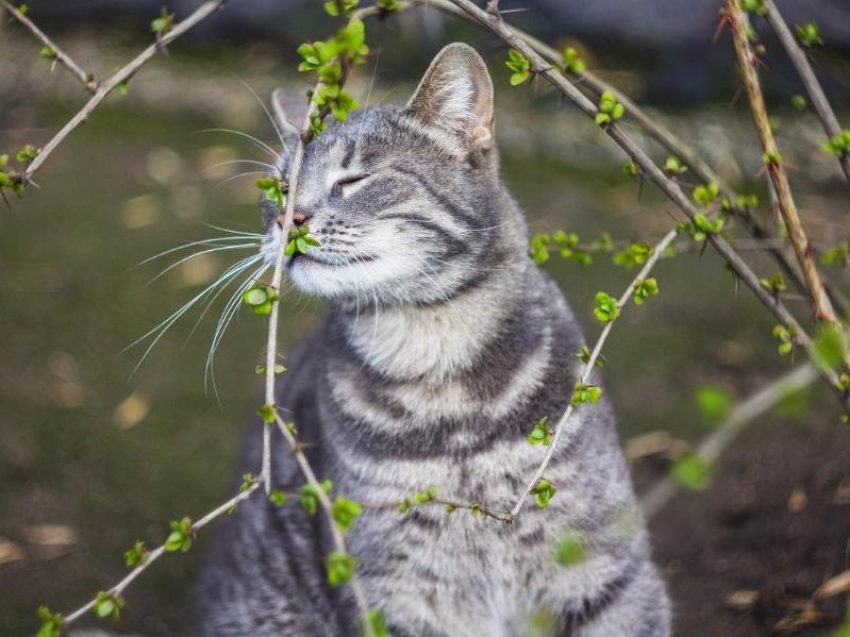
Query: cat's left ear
point(456, 95)
point(289, 109)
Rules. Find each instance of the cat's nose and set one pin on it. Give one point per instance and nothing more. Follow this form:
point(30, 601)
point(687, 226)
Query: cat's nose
point(298, 218)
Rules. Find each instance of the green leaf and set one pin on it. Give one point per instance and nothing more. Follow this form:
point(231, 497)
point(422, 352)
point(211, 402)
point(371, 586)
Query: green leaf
point(585, 394)
point(345, 512)
point(673, 166)
point(838, 255)
point(542, 433)
point(51, 623)
point(424, 497)
point(278, 497)
point(136, 555)
point(543, 492)
point(692, 472)
point(164, 23)
point(831, 345)
point(606, 309)
point(268, 413)
point(181, 536)
point(714, 402)
point(572, 61)
point(26, 154)
point(539, 249)
point(754, 6)
point(108, 605)
point(340, 567)
point(570, 550)
point(786, 337)
point(635, 254)
point(376, 619)
point(809, 34)
point(309, 498)
point(645, 288)
point(706, 194)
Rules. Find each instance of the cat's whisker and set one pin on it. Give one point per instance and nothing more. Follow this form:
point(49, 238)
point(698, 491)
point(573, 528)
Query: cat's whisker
point(230, 162)
point(268, 114)
point(260, 144)
point(235, 232)
point(235, 177)
point(241, 246)
point(202, 242)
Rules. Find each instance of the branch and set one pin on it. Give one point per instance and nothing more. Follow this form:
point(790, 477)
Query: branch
point(773, 161)
point(657, 176)
point(719, 440)
point(86, 78)
point(118, 78)
point(657, 253)
point(159, 551)
point(807, 75)
point(327, 507)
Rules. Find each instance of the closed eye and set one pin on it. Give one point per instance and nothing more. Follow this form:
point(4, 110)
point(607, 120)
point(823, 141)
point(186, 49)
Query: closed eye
point(348, 181)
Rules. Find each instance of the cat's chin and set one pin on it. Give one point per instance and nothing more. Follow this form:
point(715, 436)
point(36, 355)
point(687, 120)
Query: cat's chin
point(320, 278)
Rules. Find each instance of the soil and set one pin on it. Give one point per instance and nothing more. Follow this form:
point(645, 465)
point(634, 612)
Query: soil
point(745, 556)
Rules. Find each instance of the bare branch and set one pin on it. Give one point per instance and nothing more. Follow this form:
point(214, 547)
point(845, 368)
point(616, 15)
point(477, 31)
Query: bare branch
point(719, 440)
point(118, 78)
point(773, 161)
point(86, 78)
point(807, 75)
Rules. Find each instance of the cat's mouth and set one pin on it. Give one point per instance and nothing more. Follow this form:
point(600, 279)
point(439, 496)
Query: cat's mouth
point(328, 259)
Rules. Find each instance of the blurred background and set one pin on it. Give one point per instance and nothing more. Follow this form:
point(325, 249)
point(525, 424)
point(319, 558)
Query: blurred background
point(94, 457)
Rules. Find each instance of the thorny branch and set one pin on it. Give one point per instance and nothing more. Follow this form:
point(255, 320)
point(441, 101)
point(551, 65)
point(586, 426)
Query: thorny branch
point(773, 161)
point(807, 75)
point(86, 78)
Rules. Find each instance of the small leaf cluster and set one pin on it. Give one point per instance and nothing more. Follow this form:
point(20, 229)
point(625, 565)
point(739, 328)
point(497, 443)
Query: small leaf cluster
point(673, 166)
point(520, 67)
point(164, 23)
point(786, 337)
point(309, 498)
point(422, 497)
point(775, 284)
point(567, 244)
point(274, 190)
point(181, 536)
point(345, 512)
point(609, 109)
point(300, 241)
point(606, 309)
point(584, 356)
point(809, 34)
point(713, 401)
point(268, 413)
point(332, 7)
point(108, 605)
point(744, 202)
point(47, 53)
point(584, 393)
point(260, 299)
point(831, 345)
point(701, 227)
point(692, 471)
point(798, 102)
point(136, 555)
point(838, 255)
point(543, 492)
point(705, 194)
point(11, 178)
point(839, 144)
point(278, 497)
point(572, 61)
point(635, 254)
point(376, 617)
point(772, 158)
point(261, 369)
point(51, 623)
point(754, 6)
point(388, 6)
point(542, 433)
point(570, 550)
point(248, 480)
point(340, 567)
point(644, 289)
point(328, 59)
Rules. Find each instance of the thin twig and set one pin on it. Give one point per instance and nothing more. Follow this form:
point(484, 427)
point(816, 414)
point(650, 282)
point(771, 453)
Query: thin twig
point(159, 551)
point(119, 77)
point(719, 440)
point(86, 78)
point(327, 507)
point(807, 75)
point(773, 160)
point(453, 504)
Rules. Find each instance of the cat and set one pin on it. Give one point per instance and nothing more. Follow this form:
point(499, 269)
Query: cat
point(443, 346)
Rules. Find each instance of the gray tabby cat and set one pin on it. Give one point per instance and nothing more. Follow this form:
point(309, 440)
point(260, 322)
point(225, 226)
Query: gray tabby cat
point(443, 346)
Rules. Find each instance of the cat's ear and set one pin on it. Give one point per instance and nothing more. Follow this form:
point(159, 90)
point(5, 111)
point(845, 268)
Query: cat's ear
point(456, 95)
point(289, 109)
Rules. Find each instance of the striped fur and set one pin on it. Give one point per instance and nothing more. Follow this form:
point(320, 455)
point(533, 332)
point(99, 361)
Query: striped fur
point(442, 347)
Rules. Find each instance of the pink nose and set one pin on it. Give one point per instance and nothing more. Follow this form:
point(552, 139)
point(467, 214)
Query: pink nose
point(298, 218)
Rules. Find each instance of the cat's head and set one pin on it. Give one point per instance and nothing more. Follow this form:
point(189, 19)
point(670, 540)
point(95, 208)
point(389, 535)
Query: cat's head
point(402, 199)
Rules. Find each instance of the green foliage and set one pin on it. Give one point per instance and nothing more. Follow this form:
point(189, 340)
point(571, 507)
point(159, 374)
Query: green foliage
point(248, 480)
point(261, 369)
point(376, 621)
point(164, 23)
point(570, 550)
point(609, 109)
point(181, 536)
point(701, 227)
point(584, 393)
point(809, 34)
point(838, 255)
point(278, 497)
point(539, 249)
point(692, 471)
point(136, 555)
point(47, 53)
point(345, 512)
point(775, 284)
point(108, 605)
point(754, 6)
point(572, 61)
point(424, 497)
point(389, 6)
point(673, 166)
point(706, 194)
point(26, 154)
point(606, 309)
point(747, 201)
point(274, 190)
point(309, 498)
point(332, 7)
point(340, 567)
point(773, 158)
point(713, 401)
point(839, 144)
point(584, 356)
point(23, 9)
point(635, 254)
point(51, 623)
point(267, 413)
point(645, 288)
point(123, 88)
point(831, 345)
point(631, 169)
point(542, 433)
point(260, 299)
point(786, 337)
point(11, 178)
point(543, 492)
point(301, 241)
point(798, 102)
point(520, 65)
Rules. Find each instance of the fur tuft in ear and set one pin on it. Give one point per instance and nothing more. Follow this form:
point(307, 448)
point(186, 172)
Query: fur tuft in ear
point(289, 111)
point(456, 94)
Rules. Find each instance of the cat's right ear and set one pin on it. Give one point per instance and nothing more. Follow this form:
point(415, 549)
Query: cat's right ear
point(289, 110)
